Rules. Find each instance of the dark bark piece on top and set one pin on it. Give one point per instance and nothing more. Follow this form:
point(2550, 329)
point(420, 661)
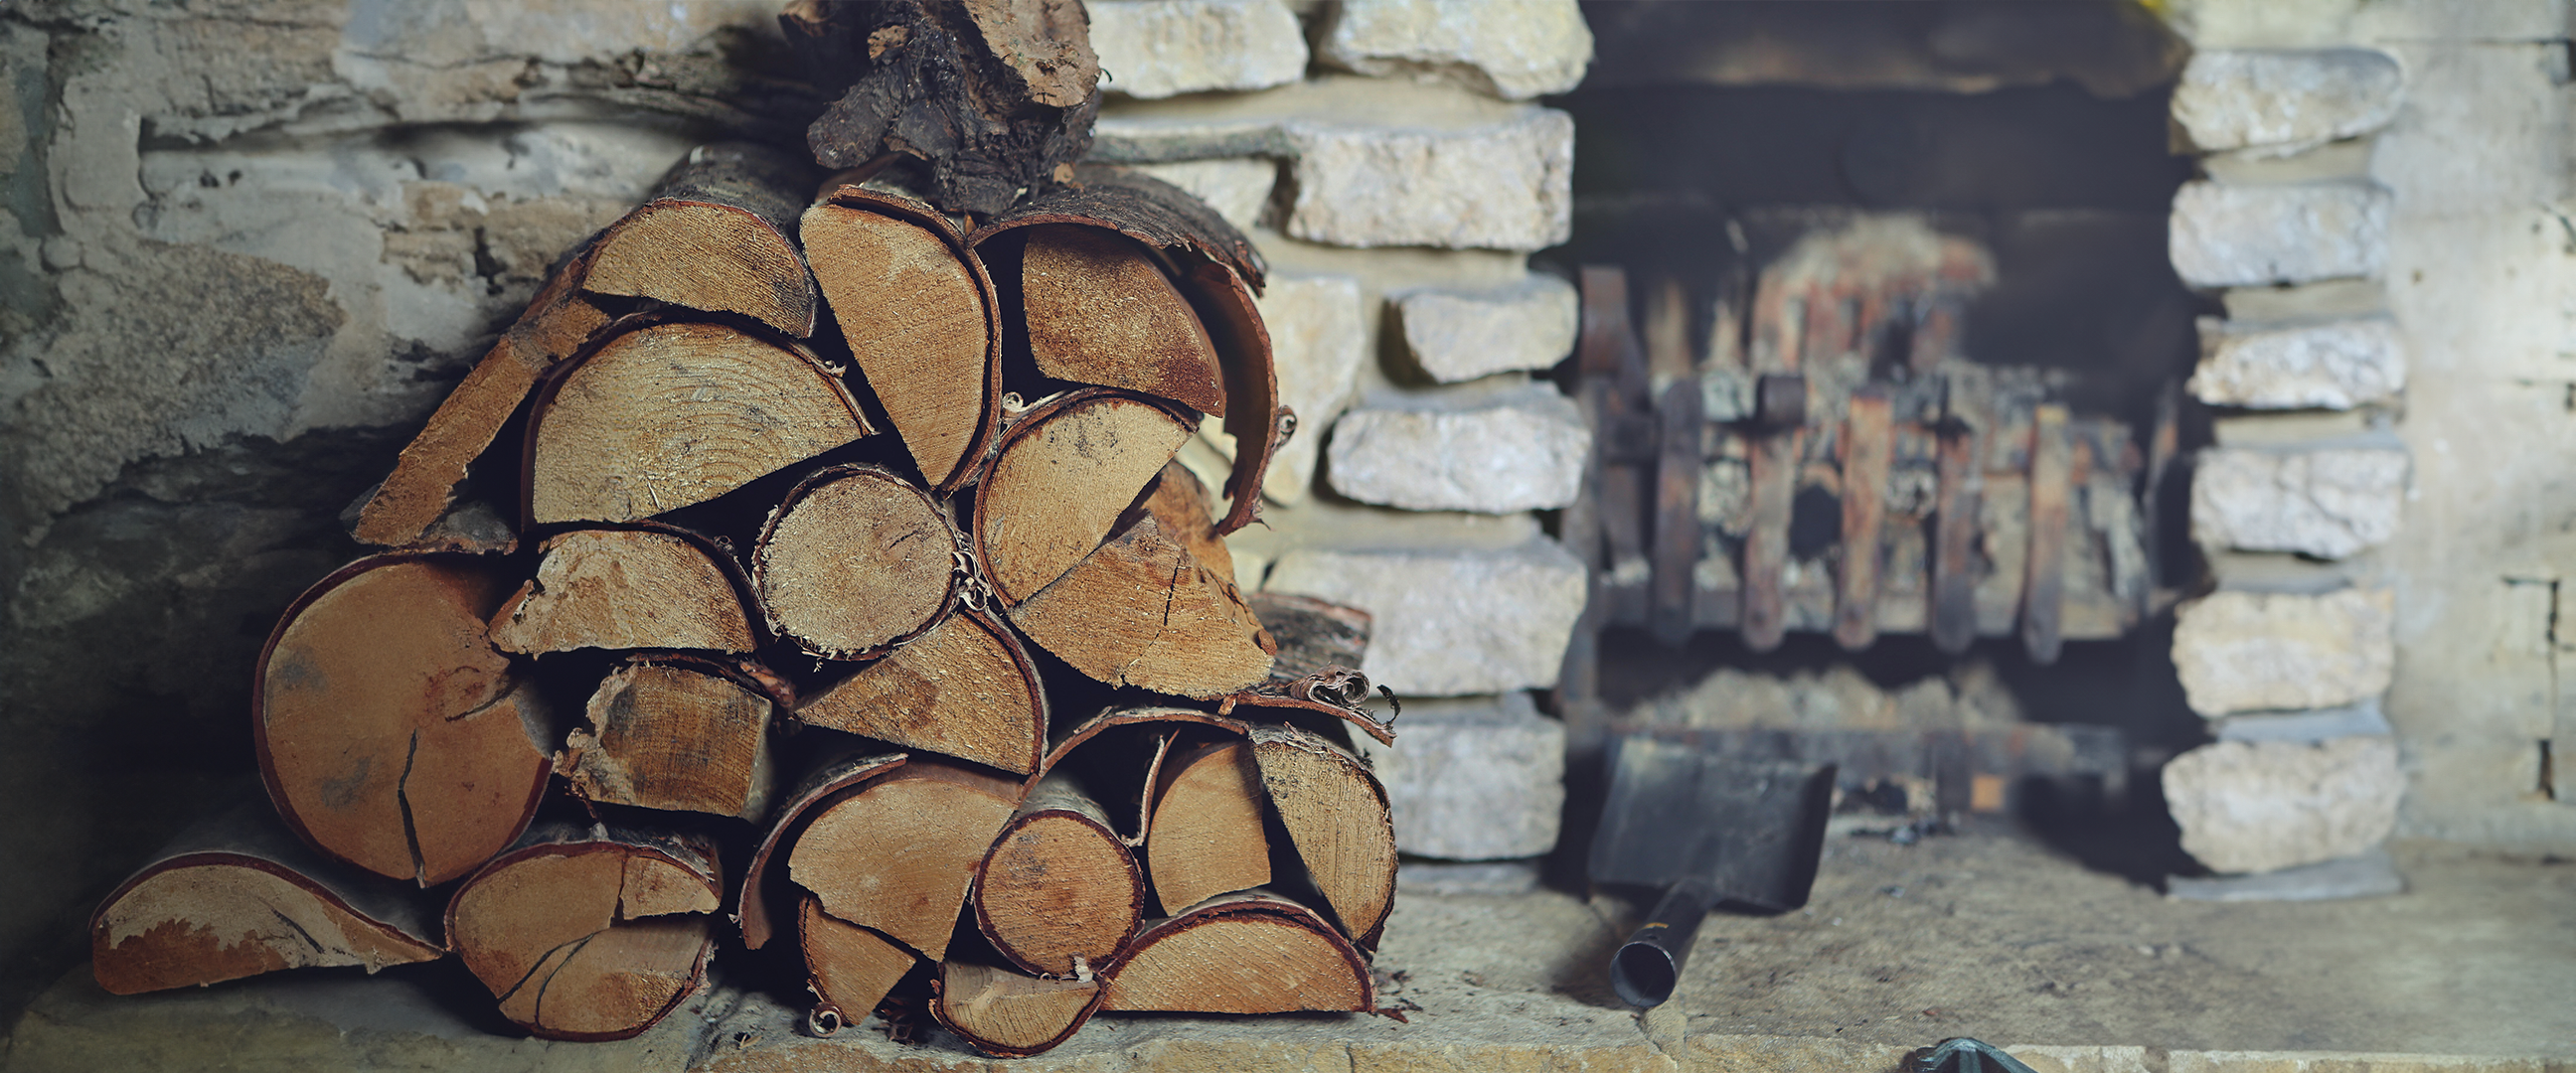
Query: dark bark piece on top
point(1007, 1015)
point(656, 415)
point(965, 689)
point(899, 854)
point(237, 896)
point(1312, 634)
point(589, 933)
point(1098, 309)
point(677, 733)
point(760, 905)
point(918, 312)
point(855, 560)
point(1058, 893)
point(998, 96)
point(1140, 207)
point(1336, 815)
point(717, 235)
point(1254, 952)
point(648, 586)
point(390, 733)
point(1140, 610)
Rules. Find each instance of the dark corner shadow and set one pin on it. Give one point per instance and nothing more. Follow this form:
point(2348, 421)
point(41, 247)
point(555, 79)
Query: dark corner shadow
point(2124, 831)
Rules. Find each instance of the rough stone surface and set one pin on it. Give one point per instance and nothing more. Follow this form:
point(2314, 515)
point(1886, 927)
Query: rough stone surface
point(1476, 779)
point(2334, 365)
point(1461, 335)
point(1449, 624)
point(1523, 450)
point(2327, 503)
point(2364, 718)
point(1514, 49)
point(2367, 875)
point(1238, 188)
point(1317, 342)
point(2285, 100)
point(2250, 652)
point(1422, 876)
point(2245, 236)
point(1161, 48)
point(2264, 806)
point(1507, 186)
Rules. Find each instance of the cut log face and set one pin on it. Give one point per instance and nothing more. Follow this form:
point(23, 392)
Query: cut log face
point(1206, 836)
point(849, 968)
point(672, 734)
point(1007, 1015)
point(239, 897)
point(965, 689)
point(588, 938)
point(1058, 893)
point(714, 238)
point(667, 415)
point(856, 560)
point(1141, 611)
point(1187, 513)
point(1064, 475)
point(423, 485)
point(390, 733)
point(918, 314)
point(1336, 815)
point(627, 588)
point(1100, 311)
point(830, 777)
point(1240, 953)
point(899, 855)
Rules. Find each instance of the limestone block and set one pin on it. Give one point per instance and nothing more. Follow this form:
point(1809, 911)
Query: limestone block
point(1162, 48)
point(2244, 236)
point(1451, 623)
point(1317, 341)
point(2333, 365)
point(1505, 185)
point(1513, 49)
point(2286, 99)
point(1236, 187)
point(2248, 806)
point(2325, 503)
point(1515, 451)
point(1474, 779)
point(2250, 652)
point(1462, 335)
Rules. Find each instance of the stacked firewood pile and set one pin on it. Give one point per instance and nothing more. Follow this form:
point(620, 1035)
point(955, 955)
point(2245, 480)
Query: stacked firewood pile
point(811, 556)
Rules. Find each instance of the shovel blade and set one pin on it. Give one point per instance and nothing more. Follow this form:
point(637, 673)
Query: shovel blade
point(1750, 831)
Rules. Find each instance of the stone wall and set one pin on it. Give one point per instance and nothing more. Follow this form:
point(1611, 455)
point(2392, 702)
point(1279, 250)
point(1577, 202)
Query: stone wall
point(245, 245)
point(2384, 217)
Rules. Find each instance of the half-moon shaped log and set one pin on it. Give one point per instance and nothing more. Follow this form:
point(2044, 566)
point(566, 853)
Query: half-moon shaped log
point(628, 588)
point(1099, 310)
point(1240, 953)
point(899, 855)
point(714, 237)
point(1007, 1015)
point(965, 689)
point(917, 311)
point(1336, 815)
point(1064, 474)
point(582, 936)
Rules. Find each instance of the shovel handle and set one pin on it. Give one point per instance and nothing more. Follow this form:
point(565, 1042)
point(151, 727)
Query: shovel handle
point(1650, 964)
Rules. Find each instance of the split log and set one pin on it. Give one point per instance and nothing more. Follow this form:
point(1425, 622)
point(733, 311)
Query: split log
point(856, 560)
point(714, 237)
point(1058, 893)
point(1188, 513)
point(651, 586)
point(663, 415)
point(1007, 1015)
point(997, 97)
point(589, 935)
point(1312, 634)
point(426, 479)
point(1336, 814)
point(1240, 953)
point(1098, 309)
point(918, 313)
point(1142, 611)
point(848, 968)
point(899, 855)
point(1206, 837)
point(757, 908)
point(1064, 474)
point(390, 733)
point(237, 896)
point(965, 689)
point(675, 733)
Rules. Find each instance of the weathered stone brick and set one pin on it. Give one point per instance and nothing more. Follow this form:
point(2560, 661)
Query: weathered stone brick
point(1521, 450)
point(2249, 652)
point(1317, 342)
point(2244, 236)
point(1514, 49)
point(1477, 779)
point(1161, 48)
point(1504, 185)
point(1462, 335)
point(2285, 99)
point(2326, 503)
point(1449, 624)
point(1236, 187)
point(2248, 806)
point(2332, 365)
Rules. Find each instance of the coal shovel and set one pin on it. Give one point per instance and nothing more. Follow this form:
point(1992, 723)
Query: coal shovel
point(1707, 831)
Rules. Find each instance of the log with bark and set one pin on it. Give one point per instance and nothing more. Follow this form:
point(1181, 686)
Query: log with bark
point(237, 896)
point(1206, 836)
point(715, 236)
point(1254, 952)
point(1007, 1015)
point(1335, 812)
point(831, 775)
point(966, 688)
point(589, 934)
point(677, 733)
point(899, 854)
point(856, 560)
point(1141, 611)
point(917, 312)
point(643, 586)
point(1058, 893)
point(1063, 476)
point(390, 733)
point(849, 969)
